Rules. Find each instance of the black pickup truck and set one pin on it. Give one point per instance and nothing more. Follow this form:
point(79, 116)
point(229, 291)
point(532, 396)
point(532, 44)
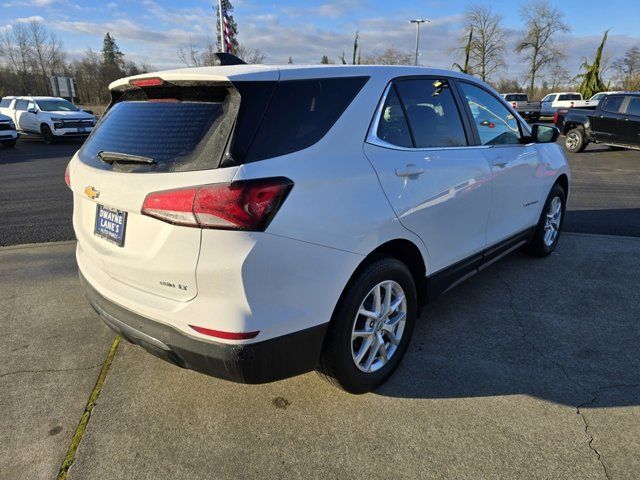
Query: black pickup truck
point(615, 121)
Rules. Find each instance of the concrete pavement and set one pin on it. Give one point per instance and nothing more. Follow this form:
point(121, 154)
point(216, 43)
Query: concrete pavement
point(528, 370)
point(51, 351)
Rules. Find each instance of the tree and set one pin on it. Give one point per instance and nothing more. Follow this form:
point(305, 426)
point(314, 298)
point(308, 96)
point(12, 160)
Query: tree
point(290, 61)
point(591, 78)
point(250, 55)
point(324, 60)
point(357, 57)
point(627, 69)
point(537, 47)
point(390, 56)
point(467, 55)
point(558, 75)
point(486, 53)
point(111, 54)
point(192, 57)
point(506, 85)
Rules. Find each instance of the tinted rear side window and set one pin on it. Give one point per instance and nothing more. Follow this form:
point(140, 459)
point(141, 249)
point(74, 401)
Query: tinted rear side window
point(392, 125)
point(633, 108)
point(180, 128)
point(21, 104)
point(515, 98)
point(612, 104)
point(5, 102)
point(432, 113)
point(300, 113)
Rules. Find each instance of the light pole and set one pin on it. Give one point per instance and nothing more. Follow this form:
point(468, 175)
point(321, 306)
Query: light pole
point(418, 21)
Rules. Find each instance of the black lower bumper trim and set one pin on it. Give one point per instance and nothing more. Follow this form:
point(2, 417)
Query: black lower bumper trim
point(260, 362)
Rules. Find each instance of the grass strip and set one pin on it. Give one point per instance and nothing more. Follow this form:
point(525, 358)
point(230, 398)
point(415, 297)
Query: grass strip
point(86, 415)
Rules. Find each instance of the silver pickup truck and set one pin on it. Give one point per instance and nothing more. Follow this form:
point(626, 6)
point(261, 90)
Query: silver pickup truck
point(530, 111)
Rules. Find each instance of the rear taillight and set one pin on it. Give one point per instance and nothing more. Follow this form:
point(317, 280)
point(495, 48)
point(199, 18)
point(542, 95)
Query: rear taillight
point(555, 117)
point(242, 205)
point(513, 104)
point(67, 176)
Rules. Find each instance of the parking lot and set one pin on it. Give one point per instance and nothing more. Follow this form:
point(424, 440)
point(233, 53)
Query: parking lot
point(528, 370)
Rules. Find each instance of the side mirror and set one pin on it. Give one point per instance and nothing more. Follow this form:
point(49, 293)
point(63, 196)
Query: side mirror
point(32, 110)
point(544, 133)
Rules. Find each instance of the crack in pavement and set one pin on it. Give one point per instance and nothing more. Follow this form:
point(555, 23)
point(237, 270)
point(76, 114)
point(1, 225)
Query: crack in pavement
point(535, 348)
point(52, 370)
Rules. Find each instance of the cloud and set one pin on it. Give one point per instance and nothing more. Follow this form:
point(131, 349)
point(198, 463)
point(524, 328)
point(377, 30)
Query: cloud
point(43, 3)
point(34, 18)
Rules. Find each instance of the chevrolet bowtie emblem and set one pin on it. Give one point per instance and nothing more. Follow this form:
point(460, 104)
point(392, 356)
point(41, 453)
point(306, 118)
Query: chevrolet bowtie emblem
point(91, 192)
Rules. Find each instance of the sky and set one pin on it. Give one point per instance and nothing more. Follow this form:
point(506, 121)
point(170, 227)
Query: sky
point(152, 31)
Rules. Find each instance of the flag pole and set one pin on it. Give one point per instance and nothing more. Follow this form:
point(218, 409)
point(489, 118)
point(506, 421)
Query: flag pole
point(222, 48)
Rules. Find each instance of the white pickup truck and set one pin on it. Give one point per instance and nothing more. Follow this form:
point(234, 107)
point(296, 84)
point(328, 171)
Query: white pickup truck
point(8, 134)
point(556, 100)
point(49, 117)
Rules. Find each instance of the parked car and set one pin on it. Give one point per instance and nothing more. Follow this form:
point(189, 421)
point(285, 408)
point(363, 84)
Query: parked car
point(615, 121)
point(529, 110)
point(599, 96)
point(554, 101)
point(257, 222)
point(8, 134)
point(49, 117)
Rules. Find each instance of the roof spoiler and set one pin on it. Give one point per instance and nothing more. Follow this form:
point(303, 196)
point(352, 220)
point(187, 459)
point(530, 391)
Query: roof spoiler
point(222, 59)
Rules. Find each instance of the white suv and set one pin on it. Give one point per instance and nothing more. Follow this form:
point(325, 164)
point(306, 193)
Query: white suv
point(258, 222)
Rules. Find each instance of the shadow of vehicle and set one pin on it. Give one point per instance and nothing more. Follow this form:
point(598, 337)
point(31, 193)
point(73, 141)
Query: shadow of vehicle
point(618, 221)
point(563, 329)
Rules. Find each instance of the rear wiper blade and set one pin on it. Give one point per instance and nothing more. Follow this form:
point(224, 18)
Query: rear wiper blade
point(111, 157)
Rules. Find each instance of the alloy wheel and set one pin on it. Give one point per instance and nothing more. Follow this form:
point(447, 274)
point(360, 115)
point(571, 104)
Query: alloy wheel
point(378, 326)
point(552, 221)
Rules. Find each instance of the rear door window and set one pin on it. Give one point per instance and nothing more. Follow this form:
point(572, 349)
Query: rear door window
point(496, 125)
point(633, 107)
point(5, 102)
point(21, 104)
point(392, 124)
point(300, 113)
point(612, 104)
point(434, 119)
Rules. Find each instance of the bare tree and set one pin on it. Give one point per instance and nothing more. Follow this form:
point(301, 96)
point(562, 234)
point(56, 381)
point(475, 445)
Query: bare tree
point(486, 49)
point(627, 69)
point(192, 57)
point(390, 56)
point(558, 75)
point(543, 22)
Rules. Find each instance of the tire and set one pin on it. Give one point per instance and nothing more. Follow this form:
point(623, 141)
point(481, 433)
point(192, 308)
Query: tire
point(342, 349)
point(9, 144)
point(575, 141)
point(47, 135)
point(540, 244)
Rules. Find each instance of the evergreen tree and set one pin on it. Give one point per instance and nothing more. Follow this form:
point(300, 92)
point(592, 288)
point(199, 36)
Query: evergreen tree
point(111, 54)
point(591, 81)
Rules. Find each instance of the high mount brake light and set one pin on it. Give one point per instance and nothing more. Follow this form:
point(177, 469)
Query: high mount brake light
point(243, 205)
point(146, 82)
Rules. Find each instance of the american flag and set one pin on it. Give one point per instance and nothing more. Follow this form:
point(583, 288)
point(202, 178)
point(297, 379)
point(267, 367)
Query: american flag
point(228, 39)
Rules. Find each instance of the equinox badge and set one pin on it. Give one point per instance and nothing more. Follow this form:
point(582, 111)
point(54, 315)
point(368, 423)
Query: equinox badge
point(91, 192)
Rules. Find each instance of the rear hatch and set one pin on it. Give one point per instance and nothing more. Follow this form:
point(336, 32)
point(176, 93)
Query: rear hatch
point(156, 137)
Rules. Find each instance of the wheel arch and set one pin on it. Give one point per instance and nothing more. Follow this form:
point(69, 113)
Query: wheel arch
point(563, 181)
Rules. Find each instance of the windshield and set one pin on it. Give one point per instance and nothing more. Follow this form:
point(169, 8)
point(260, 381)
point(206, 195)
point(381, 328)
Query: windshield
point(57, 106)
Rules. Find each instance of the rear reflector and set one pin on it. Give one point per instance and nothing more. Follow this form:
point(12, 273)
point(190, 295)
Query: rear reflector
point(146, 82)
point(225, 335)
point(67, 176)
point(243, 205)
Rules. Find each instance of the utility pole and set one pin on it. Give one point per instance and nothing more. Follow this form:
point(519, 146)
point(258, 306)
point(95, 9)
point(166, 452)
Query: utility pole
point(418, 21)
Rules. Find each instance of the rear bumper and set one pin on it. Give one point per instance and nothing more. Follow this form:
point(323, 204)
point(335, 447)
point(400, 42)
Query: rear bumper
point(274, 359)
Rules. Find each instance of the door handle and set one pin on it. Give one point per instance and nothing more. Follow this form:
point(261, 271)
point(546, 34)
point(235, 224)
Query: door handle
point(409, 171)
point(499, 162)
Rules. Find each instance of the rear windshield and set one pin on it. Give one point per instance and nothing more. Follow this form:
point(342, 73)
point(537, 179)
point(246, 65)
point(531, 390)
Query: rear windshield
point(197, 128)
point(569, 96)
point(516, 98)
point(179, 128)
